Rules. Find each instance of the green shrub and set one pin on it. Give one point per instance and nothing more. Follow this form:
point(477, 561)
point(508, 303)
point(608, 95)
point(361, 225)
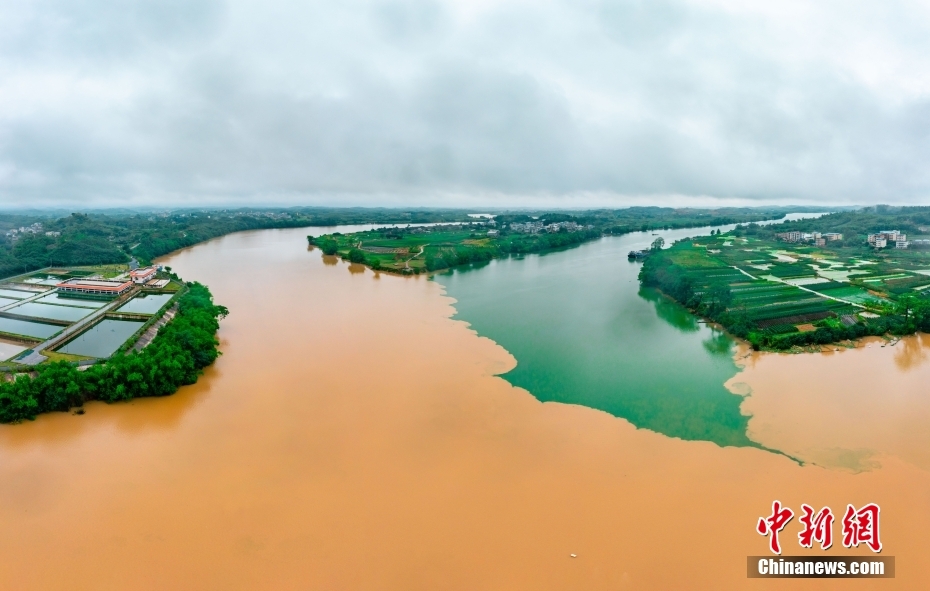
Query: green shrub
point(356, 256)
point(328, 245)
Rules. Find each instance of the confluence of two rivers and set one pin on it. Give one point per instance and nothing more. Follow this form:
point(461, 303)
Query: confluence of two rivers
point(356, 435)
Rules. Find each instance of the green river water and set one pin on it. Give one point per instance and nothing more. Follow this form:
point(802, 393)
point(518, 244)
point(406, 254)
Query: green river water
point(584, 332)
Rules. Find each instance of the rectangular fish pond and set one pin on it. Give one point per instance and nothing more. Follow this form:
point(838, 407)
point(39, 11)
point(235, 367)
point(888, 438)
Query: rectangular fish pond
point(102, 339)
point(6, 302)
point(37, 310)
point(49, 280)
point(55, 298)
point(10, 349)
point(36, 330)
point(146, 304)
point(16, 294)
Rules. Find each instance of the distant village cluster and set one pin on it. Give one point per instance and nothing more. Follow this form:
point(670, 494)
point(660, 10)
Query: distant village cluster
point(883, 239)
point(36, 228)
point(537, 227)
point(888, 237)
point(819, 239)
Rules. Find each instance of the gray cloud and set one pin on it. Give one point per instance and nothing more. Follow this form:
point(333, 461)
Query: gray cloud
point(429, 102)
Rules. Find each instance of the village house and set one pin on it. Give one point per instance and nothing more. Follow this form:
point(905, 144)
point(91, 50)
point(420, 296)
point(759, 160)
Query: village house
point(789, 236)
point(886, 237)
point(142, 275)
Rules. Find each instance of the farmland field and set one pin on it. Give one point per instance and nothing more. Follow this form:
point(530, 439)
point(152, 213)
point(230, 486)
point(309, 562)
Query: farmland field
point(775, 290)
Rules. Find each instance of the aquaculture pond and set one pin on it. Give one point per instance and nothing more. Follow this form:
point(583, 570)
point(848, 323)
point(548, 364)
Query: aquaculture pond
point(102, 339)
point(50, 280)
point(26, 328)
point(7, 302)
point(146, 304)
point(55, 298)
point(583, 332)
point(16, 294)
point(52, 312)
point(10, 349)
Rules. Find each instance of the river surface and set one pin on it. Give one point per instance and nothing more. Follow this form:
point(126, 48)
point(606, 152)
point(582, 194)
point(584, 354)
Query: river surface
point(583, 332)
point(356, 434)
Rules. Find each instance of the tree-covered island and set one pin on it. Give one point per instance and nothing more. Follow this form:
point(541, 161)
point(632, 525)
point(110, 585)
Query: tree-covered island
point(805, 282)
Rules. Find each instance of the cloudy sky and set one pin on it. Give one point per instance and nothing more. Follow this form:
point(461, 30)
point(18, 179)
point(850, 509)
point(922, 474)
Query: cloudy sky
point(464, 102)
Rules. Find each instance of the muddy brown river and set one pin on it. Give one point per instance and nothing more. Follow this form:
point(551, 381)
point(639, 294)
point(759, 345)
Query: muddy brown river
point(354, 436)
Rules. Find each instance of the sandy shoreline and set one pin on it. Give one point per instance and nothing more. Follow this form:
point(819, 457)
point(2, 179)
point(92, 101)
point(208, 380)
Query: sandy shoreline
point(354, 436)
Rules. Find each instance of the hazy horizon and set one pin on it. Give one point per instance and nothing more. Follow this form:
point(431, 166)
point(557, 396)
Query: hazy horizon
point(443, 103)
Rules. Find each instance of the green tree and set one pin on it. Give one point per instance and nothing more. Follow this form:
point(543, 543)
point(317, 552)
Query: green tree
point(356, 256)
point(328, 245)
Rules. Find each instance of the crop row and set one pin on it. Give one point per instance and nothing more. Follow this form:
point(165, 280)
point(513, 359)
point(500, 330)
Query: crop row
point(798, 309)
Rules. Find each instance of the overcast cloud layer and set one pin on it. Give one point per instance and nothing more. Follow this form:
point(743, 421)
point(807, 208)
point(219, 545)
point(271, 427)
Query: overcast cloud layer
point(472, 102)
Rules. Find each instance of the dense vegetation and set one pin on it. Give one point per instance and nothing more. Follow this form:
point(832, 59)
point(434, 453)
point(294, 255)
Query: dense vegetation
point(780, 295)
point(116, 236)
point(176, 357)
point(415, 250)
point(85, 239)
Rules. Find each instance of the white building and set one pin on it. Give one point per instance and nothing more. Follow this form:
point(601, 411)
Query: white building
point(789, 236)
point(142, 275)
point(881, 239)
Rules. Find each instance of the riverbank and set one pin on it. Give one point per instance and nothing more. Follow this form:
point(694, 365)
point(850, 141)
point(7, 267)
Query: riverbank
point(744, 344)
point(354, 435)
point(425, 249)
point(768, 311)
point(176, 357)
point(842, 408)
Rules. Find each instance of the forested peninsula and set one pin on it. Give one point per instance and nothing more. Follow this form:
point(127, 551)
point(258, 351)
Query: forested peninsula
point(416, 250)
